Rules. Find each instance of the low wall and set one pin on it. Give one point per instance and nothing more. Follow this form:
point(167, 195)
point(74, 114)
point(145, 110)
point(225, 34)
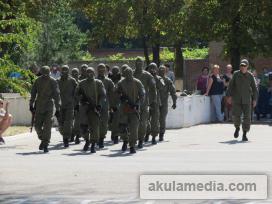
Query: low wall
point(191, 110)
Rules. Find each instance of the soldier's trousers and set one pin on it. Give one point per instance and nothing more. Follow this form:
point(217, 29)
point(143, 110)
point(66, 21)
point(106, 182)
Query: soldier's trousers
point(104, 120)
point(76, 124)
point(89, 125)
point(237, 111)
point(129, 124)
point(163, 114)
point(154, 120)
point(66, 122)
point(43, 125)
point(144, 115)
point(115, 123)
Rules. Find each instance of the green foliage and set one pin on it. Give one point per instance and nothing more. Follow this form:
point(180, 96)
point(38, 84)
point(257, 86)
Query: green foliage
point(10, 85)
point(116, 57)
point(86, 56)
point(196, 53)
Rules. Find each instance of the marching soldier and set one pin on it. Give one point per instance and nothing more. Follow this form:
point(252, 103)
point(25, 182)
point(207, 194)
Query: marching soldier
point(150, 98)
point(164, 93)
point(155, 109)
point(242, 94)
point(83, 74)
point(132, 95)
point(91, 94)
point(67, 86)
point(109, 87)
point(115, 76)
point(44, 94)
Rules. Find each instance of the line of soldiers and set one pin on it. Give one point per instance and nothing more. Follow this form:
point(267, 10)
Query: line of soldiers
point(133, 104)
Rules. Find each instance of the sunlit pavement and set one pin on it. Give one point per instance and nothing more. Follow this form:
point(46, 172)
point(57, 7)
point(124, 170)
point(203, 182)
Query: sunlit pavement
point(110, 176)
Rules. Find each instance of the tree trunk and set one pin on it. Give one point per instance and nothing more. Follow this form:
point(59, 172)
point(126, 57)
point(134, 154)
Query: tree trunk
point(235, 48)
point(146, 54)
point(156, 54)
point(179, 61)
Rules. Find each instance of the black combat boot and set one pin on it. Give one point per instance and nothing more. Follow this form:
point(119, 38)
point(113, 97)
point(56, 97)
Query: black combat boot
point(72, 138)
point(115, 140)
point(112, 137)
point(124, 147)
point(161, 137)
point(41, 146)
point(244, 136)
point(77, 140)
point(132, 150)
point(101, 143)
point(146, 139)
point(154, 140)
point(86, 146)
point(65, 143)
point(93, 148)
point(45, 148)
point(140, 144)
point(236, 133)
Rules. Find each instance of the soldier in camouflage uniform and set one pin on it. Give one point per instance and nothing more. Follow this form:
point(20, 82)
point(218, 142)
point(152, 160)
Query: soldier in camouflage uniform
point(76, 121)
point(108, 103)
point(91, 95)
point(242, 94)
point(83, 74)
point(149, 84)
point(44, 94)
point(115, 76)
point(67, 86)
point(155, 109)
point(168, 88)
point(132, 94)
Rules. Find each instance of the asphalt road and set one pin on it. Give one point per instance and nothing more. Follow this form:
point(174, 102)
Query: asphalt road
point(27, 175)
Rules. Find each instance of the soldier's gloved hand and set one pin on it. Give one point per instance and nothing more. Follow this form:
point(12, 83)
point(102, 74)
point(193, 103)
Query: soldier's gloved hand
point(174, 106)
point(57, 113)
point(31, 108)
point(76, 108)
point(98, 108)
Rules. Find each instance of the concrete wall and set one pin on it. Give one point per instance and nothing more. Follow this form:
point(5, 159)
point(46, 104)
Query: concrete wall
point(191, 110)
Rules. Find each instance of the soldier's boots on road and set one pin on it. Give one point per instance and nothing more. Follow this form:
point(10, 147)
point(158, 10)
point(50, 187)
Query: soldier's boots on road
point(77, 140)
point(154, 140)
point(45, 149)
point(86, 146)
point(146, 138)
point(115, 140)
point(93, 148)
point(244, 136)
point(161, 137)
point(236, 133)
point(140, 144)
point(65, 143)
point(132, 150)
point(101, 143)
point(124, 147)
point(41, 146)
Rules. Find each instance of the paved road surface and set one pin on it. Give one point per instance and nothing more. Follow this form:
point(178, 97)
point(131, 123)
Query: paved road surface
point(109, 176)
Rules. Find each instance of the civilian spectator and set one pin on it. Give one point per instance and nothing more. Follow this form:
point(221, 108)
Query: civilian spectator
point(170, 74)
point(5, 120)
point(215, 89)
point(226, 78)
point(202, 81)
point(55, 73)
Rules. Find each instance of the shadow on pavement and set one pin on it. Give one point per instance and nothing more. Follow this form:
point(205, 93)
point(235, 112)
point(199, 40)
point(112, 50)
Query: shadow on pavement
point(30, 153)
point(233, 142)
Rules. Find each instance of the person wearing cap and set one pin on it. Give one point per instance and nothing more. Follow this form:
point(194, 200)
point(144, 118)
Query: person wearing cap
point(242, 94)
point(67, 86)
point(44, 95)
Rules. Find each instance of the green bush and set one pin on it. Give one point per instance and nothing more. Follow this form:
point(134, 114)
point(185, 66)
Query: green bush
point(196, 53)
point(14, 85)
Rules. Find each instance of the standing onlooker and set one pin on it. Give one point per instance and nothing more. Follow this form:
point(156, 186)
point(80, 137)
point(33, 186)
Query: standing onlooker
point(242, 92)
point(202, 81)
point(215, 90)
point(227, 77)
point(55, 73)
point(5, 119)
point(170, 74)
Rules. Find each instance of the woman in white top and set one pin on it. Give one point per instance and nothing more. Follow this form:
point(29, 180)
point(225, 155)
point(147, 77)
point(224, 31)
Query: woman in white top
point(5, 119)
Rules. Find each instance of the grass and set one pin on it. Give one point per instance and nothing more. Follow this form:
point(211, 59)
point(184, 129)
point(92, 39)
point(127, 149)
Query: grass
point(15, 130)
